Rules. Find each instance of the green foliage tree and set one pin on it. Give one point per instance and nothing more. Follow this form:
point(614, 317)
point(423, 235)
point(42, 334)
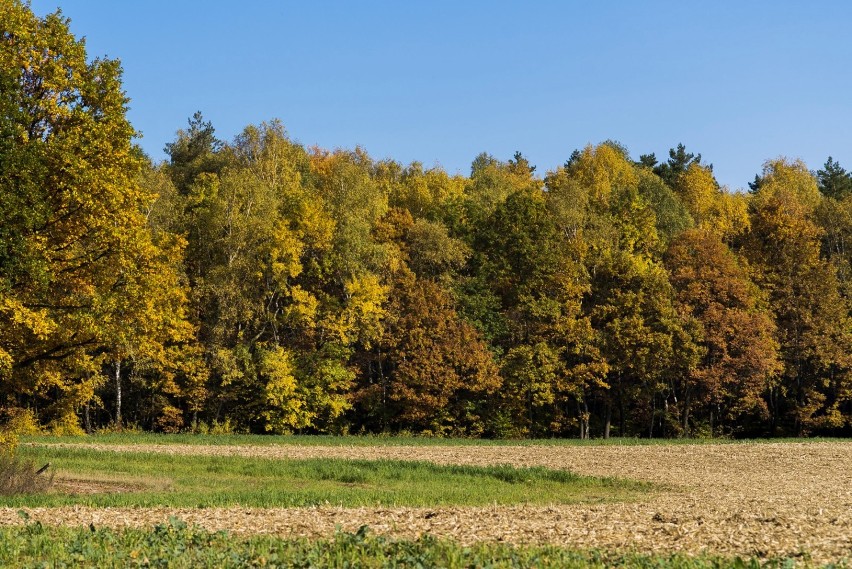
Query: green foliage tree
point(671, 214)
point(678, 162)
point(639, 338)
point(648, 160)
point(534, 272)
point(194, 151)
point(492, 181)
point(834, 181)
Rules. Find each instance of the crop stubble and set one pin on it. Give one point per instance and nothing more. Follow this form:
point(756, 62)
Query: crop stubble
point(763, 499)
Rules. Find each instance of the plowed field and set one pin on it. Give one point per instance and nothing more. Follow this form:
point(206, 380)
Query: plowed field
point(763, 499)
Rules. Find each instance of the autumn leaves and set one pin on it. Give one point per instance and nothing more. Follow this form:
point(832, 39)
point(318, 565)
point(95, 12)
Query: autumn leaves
point(277, 288)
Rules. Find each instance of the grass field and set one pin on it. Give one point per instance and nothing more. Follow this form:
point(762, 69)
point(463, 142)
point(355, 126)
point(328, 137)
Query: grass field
point(91, 477)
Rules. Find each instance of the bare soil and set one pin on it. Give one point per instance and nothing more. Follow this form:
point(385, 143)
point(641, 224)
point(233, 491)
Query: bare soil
point(85, 486)
point(768, 499)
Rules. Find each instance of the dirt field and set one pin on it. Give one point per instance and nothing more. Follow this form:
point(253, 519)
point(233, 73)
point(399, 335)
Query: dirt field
point(764, 499)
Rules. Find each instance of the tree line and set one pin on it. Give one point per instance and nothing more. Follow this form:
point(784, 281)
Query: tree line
point(262, 286)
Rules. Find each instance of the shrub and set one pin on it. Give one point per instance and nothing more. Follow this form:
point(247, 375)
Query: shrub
point(8, 442)
point(124, 428)
point(21, 421)
point(170, 420)
point(22, 476)
point(18, 476)
point(213, 428)
point(223, 428)
point(66, 425)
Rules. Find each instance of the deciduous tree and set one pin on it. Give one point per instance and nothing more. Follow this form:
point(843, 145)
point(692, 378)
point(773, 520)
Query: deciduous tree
point(739, 353)
point(812, 317)
point(77, 261)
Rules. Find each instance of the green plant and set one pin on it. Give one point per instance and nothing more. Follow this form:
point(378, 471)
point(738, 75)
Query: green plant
point(212, 481)
point(177, 545)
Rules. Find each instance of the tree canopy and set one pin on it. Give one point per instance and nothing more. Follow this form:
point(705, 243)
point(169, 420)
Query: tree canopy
point(257, 285)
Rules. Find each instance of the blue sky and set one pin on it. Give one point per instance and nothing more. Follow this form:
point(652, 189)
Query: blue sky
point(441, 81)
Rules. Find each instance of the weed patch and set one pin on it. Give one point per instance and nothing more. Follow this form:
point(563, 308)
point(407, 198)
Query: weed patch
point(19, 476)
point(177, 545)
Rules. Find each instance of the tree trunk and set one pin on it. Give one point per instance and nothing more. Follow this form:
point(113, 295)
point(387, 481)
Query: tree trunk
point(608, 419)
point(653, 413)
point(711, 421)
point(773, 402)
point(118, 393)
point(87, 420)
point(384, 417)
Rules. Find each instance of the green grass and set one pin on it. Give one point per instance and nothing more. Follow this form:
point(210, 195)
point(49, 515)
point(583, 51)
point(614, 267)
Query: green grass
point(368, 440)
point(204, 481)
point(176, 545)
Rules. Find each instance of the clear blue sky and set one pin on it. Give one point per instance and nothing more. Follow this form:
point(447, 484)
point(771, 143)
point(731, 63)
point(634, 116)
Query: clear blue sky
point(441, 81)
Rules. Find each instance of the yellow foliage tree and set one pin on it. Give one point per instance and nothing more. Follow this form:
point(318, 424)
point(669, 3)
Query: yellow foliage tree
point(713, 208)
point(79, 270)
point(601, 169)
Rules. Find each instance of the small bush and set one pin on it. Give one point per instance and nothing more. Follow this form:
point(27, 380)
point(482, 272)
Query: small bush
point(213, 428)
point(22, 476)
point(21, 421)
point(8, 442)
point(170, 420)
point(19, 476)
point(199, 427)
point(66, 425)
point(124, 429)
point(223, 428)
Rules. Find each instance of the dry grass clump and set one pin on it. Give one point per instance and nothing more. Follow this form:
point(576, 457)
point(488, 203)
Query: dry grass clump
point(19, 476)
point(22, 476)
